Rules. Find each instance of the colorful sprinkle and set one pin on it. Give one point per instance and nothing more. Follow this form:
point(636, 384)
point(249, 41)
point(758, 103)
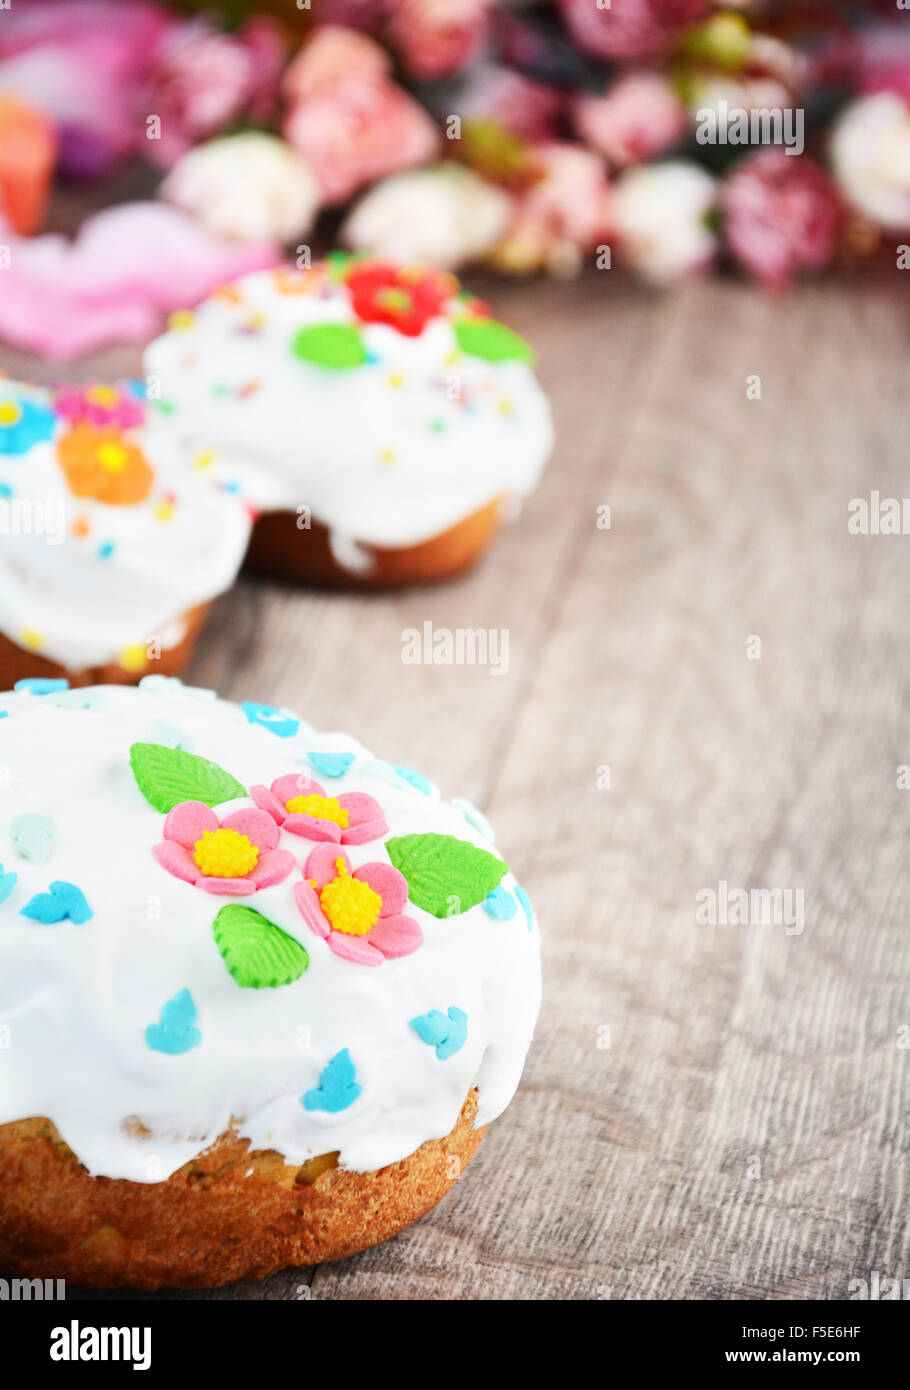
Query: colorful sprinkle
point(64, 900)
point(172, 685)
point(77, 699)
point(526, 907)
point(176, 1032)
point(415, 779)
point(7, 884)
point(168, 735)
point(279, 722)
point(446, 1032)
point(331, 764)
point(34, 837)
point(337, 1087)
point(500, 904)
point(41, 685)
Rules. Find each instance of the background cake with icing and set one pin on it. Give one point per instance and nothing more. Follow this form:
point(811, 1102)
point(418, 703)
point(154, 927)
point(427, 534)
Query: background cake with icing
point(260, 991)
point(377, 416)
point(110, 547)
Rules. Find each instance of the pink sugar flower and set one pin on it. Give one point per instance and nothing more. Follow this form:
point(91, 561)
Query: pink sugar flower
point(300, 806)
point(782, 213)
point(359, 914)
point(98, 404)
point(234, 856)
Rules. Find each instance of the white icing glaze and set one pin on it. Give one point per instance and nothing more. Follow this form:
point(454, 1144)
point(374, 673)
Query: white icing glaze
point(391, 453)
point(85, 580)
point(75, 1000)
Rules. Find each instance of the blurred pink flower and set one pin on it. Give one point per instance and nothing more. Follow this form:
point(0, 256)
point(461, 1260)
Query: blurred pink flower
point(356, 14)
point(348, 119)
point(888, 76)
point(528, 110)
point(82, 66)
point(203, 79)
point(128, 266)
point(438, 37)
point(782, 213)
point(628, 28)
point(640, 116)
point(562, 216)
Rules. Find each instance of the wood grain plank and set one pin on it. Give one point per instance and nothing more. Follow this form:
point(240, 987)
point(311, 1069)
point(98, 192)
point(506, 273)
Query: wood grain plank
point(746, 1133)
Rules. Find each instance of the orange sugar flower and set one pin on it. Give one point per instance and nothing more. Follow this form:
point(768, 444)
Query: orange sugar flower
point(102, 464)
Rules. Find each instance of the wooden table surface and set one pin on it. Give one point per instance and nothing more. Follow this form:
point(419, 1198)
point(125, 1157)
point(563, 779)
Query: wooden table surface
point(707, 1111)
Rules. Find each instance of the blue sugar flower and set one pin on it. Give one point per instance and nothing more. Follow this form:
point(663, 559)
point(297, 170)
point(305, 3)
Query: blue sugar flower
point(23, 423)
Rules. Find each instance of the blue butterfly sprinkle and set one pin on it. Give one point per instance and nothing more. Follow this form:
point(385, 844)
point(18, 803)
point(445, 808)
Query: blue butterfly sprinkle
point(64, 900)
point(106, 550)
point(33, 837)
point(42, 685)
point(337, 1087)
point(500, 904)
point(4, 714)
point(175, 1033)
point(6, 490)
point(158, 731)
point(416, 779)
point(446, 1032)
point(77, 699)
point(526, 907)
point(277, 721)
point(331, 764)
point(7, 883)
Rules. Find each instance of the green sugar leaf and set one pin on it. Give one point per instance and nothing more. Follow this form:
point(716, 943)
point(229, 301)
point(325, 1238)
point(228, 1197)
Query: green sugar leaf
point(338, 346)
point(480, 337)
point(167, 776)
point(445, 876)
point(257, 954)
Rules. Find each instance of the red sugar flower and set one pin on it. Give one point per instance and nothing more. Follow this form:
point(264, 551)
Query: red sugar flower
point(405, 298)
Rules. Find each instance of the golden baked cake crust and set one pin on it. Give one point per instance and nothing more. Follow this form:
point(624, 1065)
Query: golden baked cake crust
point(228, 1215)
point(282, 551)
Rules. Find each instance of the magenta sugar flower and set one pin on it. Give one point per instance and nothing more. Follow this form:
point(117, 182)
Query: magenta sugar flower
point(234, 856)
point(97, 404)
point(359, 914)
point(300, 806)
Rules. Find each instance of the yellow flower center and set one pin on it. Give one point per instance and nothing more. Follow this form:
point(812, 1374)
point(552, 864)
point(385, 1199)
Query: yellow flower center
point(105, 396)
point(10, 414)
point(113, 457)
point(225, 854)
point(351, 906)
point(396, 301)
point(323, 807)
